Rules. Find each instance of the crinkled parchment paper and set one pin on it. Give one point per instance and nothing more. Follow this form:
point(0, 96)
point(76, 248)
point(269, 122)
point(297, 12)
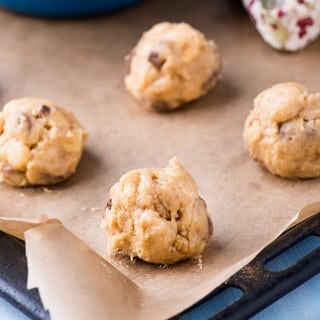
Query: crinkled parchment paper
point(79, 63)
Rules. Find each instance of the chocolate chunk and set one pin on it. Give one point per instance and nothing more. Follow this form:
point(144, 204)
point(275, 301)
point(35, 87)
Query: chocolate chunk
point(44, 111)
point(26, 121)
point(281, 129)
point(128, 59)
point(179, 214)
point(161, 106)
point(109, 204)
point(207, 85)
point(210, 226)
point(156, 60)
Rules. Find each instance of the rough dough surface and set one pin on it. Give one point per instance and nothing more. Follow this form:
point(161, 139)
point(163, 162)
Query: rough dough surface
point(283, 131)
point(172, 64)
point(157, 215)
point(40, 142)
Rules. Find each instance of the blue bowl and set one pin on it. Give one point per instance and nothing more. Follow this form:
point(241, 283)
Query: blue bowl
point(65, 8)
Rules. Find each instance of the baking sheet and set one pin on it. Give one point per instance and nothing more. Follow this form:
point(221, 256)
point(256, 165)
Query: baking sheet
point(79, 63)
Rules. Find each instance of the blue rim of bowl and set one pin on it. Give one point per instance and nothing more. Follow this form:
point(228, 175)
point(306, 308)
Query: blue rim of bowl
point(66, 8)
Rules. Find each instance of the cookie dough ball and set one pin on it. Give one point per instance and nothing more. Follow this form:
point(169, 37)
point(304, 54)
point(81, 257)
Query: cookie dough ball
point(157, 215)
point(40, 142)
point(283, 131)
point(172, 64)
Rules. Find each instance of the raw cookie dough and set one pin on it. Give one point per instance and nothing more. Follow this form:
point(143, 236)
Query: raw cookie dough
point(40, 142)
point(157, 215)
point(172, 64)
point(283, 131)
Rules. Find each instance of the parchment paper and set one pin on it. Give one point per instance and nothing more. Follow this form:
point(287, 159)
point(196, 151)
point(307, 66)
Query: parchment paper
point(79, 63)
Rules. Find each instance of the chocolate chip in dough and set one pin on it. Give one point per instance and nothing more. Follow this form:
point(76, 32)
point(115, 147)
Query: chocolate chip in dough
point(179, 214)
point(109, 204)
point(210, 226)
point(156, 60)
point(26, 120)
point(210, 81)
point(44, 111)
point(128, 59)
